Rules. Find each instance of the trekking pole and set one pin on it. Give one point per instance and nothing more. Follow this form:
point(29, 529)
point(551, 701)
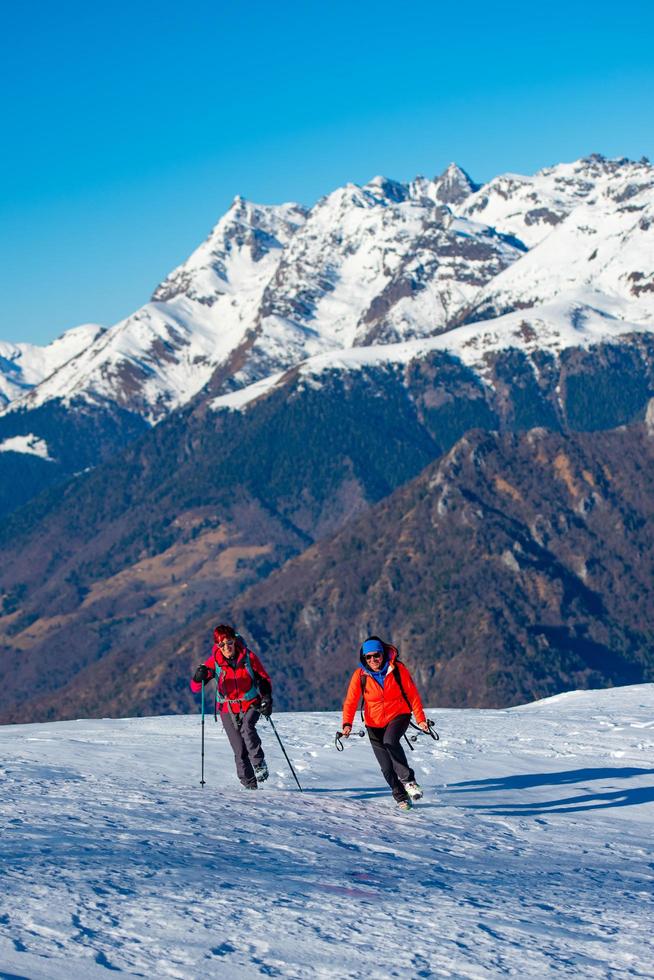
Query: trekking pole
point(270, 721)
point(202, 776)
point(432, 731)
point(339, 735)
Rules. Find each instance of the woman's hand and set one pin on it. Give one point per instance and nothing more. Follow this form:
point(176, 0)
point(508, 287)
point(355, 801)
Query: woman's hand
point(423, 726)
point(346, 731)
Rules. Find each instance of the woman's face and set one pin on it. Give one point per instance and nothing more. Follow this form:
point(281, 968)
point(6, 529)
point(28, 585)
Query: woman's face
point(374, 660)
point(227, 645)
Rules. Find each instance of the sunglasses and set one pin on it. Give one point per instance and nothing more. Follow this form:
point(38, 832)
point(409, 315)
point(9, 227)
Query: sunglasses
point(372, 656)
point(226, 643)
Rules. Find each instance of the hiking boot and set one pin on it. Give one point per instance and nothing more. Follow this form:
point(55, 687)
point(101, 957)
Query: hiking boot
point(249, 785)
point(261, 772)
point(414, 791)
point(405, 805)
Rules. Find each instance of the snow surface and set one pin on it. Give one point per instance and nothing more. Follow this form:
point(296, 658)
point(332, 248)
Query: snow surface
point(603, 248)
point(530, 856)
point(30, 444)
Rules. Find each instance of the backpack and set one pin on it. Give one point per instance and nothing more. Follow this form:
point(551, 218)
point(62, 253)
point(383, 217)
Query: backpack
point(364, 680)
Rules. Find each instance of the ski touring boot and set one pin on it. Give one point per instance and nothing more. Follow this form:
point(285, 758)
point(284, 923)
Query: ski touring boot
point(414, 790)
point(405, 805)
point(261, 772)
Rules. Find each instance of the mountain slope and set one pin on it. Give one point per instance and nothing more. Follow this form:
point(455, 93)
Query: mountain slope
point(515, 567)
point(602, 254)
point(134, 374)
point(163, 354)
point(215, 498)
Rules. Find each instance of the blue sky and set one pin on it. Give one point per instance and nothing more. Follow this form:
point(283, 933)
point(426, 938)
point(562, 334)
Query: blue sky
point(130, 127)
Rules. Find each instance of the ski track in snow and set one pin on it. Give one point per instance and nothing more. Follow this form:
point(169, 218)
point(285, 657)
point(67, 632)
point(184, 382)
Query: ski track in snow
point(530, 855)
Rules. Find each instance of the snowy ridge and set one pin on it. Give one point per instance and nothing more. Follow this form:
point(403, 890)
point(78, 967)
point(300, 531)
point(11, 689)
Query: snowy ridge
point(23, 366)
point(373, 264)
point(530, 854)
point(570, 321)
point(531, 207)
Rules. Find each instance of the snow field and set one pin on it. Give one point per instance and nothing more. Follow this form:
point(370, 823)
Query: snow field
point(530, 855)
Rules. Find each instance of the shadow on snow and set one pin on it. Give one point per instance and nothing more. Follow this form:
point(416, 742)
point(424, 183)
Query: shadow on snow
point(634, 796)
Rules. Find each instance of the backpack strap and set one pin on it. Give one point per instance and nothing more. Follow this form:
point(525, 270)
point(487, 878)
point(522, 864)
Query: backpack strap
point(364, 679)
point(399, 684)
point(248, 696)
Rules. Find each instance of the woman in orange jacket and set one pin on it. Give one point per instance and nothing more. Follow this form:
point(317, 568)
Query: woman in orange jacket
point(389, 697)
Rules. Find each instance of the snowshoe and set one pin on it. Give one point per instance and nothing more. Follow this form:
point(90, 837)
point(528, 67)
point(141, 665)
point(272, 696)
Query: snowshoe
point(261, 772)
point(405, 805)
point(414, 790)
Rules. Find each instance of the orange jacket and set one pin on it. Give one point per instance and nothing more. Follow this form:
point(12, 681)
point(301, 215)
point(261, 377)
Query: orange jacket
point(382, 704)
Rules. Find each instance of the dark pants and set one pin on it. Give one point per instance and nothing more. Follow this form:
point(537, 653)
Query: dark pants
point(390, 755)
point(245, 742)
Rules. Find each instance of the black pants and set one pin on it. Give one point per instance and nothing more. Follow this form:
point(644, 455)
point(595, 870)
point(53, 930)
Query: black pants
point(390, 755)
point(245, 742)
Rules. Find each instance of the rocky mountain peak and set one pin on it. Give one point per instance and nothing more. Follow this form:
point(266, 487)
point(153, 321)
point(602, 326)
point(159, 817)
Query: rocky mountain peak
point(254, 229)
point(454, 185)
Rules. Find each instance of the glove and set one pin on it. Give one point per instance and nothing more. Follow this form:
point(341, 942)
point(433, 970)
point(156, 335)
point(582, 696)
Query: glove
point(265, 707)
point(203, 674)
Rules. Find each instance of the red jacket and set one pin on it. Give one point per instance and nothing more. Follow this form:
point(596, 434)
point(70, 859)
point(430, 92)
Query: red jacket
point(234, 680)
point(382, 704)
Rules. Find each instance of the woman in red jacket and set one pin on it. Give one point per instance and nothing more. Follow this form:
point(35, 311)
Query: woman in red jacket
point(243, 694)
point(389, 697)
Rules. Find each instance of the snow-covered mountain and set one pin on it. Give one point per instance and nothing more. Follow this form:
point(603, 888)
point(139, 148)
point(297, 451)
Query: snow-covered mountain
point(160, 356)
point(23, 366)
point(530, 207)
point(530, 854)
point(381, 263)
point(601, 254)
point(561, 258)
point(274, 285)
